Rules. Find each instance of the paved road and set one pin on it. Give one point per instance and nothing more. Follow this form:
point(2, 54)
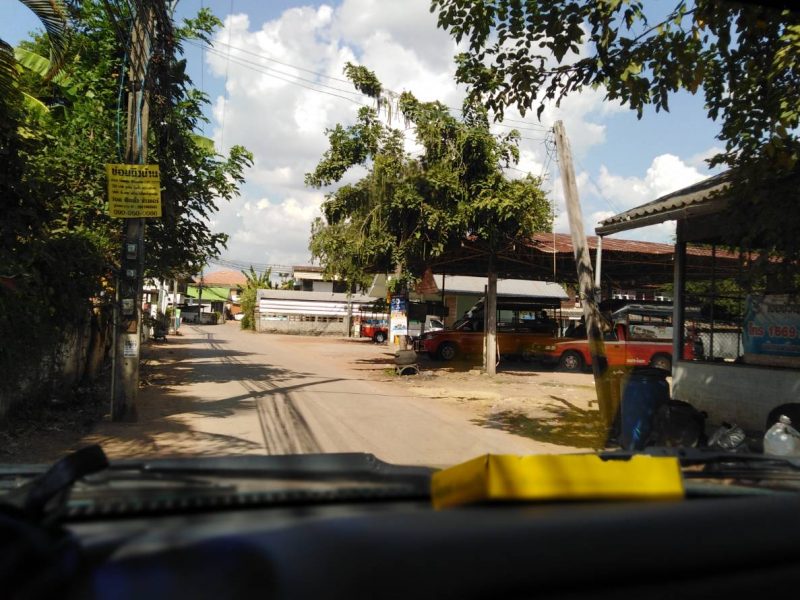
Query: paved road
point(246, 392)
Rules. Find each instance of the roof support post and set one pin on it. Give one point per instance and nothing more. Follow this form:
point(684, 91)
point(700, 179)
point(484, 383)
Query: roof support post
point(679, 289)
point(490, 307)
point(597, 268)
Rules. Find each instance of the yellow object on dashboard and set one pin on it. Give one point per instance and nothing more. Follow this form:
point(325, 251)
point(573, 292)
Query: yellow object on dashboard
point(557, 477)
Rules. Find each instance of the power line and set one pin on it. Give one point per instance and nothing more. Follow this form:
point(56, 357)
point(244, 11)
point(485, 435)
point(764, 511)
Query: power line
point(529, 125)
point(265, 70)
point(607, 200)
point(280, 62)
point(227, 66)
point(245, 264)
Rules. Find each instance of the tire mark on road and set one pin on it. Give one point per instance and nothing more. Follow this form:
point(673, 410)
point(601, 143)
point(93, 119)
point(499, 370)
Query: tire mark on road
point(283, 427)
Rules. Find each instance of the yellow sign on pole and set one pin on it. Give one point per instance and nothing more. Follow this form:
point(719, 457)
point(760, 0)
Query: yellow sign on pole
point(134, 191)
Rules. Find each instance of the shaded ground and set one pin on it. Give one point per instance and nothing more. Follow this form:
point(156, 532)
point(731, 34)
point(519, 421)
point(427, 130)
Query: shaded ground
point(540, 403)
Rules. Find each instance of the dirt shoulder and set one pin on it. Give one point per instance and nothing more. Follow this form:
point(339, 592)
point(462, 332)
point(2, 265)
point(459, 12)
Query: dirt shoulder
point(192, 400)
point(525, 399)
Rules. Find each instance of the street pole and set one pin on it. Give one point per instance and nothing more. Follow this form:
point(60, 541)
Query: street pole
point(175, 304)
point(200, 300)
point(583, 263)
point(128, 310)
point(490, 306)
point(349, 319)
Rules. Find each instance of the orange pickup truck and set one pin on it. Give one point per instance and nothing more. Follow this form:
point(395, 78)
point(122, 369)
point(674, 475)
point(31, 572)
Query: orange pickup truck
point(622, 349)
point(467, 338)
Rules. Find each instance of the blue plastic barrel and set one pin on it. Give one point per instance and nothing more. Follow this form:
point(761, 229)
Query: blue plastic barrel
point(646, 391)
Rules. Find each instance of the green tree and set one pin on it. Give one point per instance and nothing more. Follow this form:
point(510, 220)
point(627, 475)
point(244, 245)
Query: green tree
point(254, 281)
point(408, 209)
point(59, 250)
point(743, 57)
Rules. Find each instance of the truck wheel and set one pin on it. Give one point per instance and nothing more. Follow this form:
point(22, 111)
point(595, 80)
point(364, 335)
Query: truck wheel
point(447, 351)
point(379, 337)
point(661, 361)
point(571, 361)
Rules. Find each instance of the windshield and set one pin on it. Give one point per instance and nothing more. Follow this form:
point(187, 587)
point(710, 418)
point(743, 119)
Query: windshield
point(243, 228)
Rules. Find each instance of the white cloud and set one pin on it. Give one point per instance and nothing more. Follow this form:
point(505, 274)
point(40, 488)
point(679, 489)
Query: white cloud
point(666, 174)
point(699, 160)
point(283, 123)
point(265, 231)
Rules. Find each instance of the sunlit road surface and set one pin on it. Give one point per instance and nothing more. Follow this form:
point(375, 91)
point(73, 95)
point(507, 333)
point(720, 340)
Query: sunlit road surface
point(242, 392)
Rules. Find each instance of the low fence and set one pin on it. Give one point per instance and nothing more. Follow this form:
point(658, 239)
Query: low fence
point(722, 344)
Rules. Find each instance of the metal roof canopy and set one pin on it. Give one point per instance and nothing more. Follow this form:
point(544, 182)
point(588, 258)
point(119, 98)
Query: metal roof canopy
point(522, 288)
point(696, 200)
point(549, 257)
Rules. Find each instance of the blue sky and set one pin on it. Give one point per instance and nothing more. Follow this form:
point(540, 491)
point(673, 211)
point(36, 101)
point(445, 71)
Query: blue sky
point(621, 161)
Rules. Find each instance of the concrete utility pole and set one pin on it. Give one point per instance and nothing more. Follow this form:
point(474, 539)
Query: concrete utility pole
point(128, 310)
point(583, 262)
point(490, 307)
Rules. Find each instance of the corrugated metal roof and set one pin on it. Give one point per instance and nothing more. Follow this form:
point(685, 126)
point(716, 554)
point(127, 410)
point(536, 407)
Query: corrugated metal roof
point(666, 208)
point(312, 296)
point(561, 243)
point(234, 278)
point(505, 287)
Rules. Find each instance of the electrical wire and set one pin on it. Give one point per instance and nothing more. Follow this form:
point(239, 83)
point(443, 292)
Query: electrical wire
point(227, 67)
point(530, 126)
point(296, 83)
point(275, 73)
point(607, 200)
point(244, 265)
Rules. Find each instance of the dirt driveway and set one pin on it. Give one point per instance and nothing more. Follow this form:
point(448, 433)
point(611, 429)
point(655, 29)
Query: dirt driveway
point(529, 400)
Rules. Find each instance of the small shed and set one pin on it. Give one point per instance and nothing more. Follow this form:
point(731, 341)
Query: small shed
point(749, 367)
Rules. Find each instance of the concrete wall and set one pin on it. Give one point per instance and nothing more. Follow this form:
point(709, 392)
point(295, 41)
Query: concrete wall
point(57, 370)
point(322, 286)
point(301, 327)
point(735, 393)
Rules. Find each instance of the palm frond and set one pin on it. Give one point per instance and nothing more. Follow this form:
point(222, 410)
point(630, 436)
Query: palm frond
point(53, 15)
point(8, 70)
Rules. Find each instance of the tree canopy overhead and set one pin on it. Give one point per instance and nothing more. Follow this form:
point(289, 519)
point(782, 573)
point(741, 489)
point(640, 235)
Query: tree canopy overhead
point(407, 208)
point(743, 57)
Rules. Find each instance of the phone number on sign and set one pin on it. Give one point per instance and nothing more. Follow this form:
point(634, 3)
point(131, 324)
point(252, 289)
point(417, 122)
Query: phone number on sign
point(785, 331)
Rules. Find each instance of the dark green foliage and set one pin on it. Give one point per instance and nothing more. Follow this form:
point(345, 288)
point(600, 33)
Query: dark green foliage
point(743, 57)
point(255, 281)
point(59, 250)
point(407, 209)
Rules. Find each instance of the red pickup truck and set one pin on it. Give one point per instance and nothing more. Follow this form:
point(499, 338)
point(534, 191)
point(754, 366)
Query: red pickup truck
point(622, 349)
point(376, 329)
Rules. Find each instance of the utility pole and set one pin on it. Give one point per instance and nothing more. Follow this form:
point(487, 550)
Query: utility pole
point(490, 308)
point(128, 309)
point(175, 304)
point(200, 299)
point(583, 263)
